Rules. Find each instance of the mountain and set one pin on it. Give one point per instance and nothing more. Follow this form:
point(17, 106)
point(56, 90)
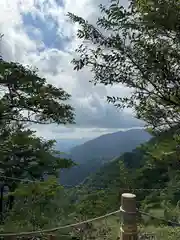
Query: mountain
point(145, 168)
point(109, 176)
point(65, 145)
point(93, 154)
point(151, 172)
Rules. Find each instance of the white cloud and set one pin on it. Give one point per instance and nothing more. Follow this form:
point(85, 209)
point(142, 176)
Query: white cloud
point(59, 132)
point(47, 40)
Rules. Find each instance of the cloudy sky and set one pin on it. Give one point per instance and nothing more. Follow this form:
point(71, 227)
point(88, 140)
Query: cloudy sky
point(37, 32)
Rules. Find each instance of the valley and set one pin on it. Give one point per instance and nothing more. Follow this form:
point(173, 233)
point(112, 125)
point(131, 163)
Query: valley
point(92, 155)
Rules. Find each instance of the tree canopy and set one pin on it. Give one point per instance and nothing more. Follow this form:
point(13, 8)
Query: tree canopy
point(27, 97)
point(139, 48)
point(24, 155)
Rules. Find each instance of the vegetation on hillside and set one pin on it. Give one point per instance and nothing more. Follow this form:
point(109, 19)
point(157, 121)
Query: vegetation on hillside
point(92, 155)
point(155, 182)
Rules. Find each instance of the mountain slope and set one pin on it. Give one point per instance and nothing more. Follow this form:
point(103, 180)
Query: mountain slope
point(108, 176)
point(67, 144)
point(109, 145)
point(91, 155)
point(146, 167)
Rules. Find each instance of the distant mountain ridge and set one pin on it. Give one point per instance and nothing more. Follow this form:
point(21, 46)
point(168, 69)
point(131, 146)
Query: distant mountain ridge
point(91, 155)
point(109, 145)
point(67, 144)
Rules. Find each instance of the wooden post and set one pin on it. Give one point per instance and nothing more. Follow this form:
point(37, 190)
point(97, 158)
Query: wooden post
point(52, 237)
point(10, 238)
point(128, 212)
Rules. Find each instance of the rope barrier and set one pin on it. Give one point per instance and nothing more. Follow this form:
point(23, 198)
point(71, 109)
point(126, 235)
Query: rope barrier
point(159, 218)
point(17, 179)
point(58, 228)
point(39, 232)
point(142, 189)
point(123, 189)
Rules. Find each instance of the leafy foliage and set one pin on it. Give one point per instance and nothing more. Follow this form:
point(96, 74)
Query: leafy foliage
point(138, 48)
point(30, 157)
point(29, 98)
point(38, 205)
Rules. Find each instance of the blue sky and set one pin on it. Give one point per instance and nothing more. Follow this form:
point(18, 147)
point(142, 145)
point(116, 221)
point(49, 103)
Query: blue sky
point(47, 29)
point(37, 33)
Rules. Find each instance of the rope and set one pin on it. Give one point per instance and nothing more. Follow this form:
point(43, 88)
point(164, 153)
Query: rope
point(142, 189)
point(17, 179)
point(124, 189)
point(159, 218)
point(34, 181)
point(57, 228)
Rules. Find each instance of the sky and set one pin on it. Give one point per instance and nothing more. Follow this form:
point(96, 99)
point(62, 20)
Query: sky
point(38, 33)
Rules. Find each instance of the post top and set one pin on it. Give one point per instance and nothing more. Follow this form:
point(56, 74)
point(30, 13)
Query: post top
point(128, 195)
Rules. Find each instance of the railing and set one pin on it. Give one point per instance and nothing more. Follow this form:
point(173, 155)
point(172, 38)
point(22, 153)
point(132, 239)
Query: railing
point(126, 226)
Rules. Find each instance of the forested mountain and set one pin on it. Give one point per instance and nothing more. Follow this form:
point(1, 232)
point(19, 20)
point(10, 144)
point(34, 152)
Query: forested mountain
point(109, 145)
point(67, 144)
point(91, 155)
point(109, 175)
point(140, 169)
